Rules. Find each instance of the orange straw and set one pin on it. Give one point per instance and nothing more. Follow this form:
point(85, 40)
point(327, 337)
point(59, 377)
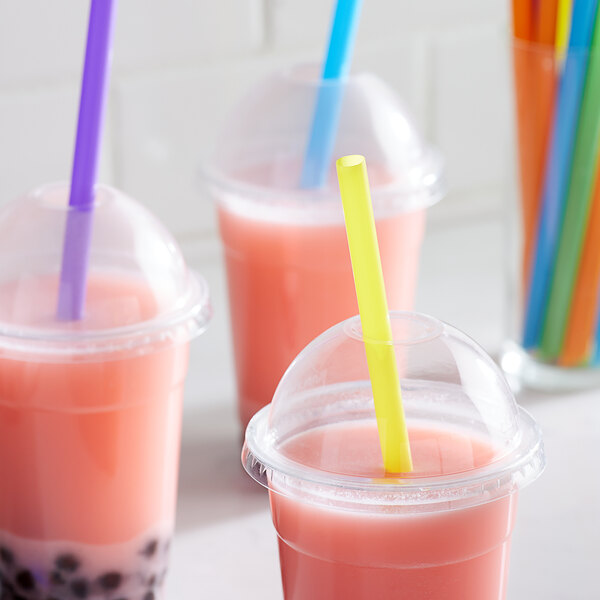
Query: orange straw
point(523, 20)
point(580, 334)
point(542, 92)
point(546, 22)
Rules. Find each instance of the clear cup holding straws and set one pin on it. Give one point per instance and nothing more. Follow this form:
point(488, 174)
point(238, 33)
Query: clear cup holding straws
point(555, 246)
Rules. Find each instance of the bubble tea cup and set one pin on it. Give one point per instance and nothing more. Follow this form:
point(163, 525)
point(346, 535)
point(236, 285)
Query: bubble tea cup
point(346, 528)
point(90, 410)
point(286, 255)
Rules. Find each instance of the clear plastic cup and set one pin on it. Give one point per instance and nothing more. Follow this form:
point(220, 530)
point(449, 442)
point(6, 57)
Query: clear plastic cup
point(349, 530)
point(288, 267)
point(90, 410)
point(553, 250)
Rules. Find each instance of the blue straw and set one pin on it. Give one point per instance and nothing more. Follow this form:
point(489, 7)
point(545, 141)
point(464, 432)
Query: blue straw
point(328, 107)
point(558, 167)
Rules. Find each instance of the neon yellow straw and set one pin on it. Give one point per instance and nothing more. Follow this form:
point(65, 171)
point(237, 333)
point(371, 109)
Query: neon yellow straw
point(563, 27)
point(374, 317)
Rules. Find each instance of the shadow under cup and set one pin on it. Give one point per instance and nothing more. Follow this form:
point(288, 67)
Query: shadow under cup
point(346, 529)
point(288, 267)
point(90, 410)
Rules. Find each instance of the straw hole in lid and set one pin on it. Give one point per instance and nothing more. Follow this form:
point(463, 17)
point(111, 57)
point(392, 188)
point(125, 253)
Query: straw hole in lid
point(407, 329)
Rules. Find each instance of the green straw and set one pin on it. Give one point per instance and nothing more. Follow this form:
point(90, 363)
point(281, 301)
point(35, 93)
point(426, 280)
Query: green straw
point(577, 208)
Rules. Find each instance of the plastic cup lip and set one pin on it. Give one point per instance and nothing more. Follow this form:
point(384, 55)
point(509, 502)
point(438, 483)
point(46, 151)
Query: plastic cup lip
point(500, 478)
point(399, 199)
point(189, 320)
point(544, 50)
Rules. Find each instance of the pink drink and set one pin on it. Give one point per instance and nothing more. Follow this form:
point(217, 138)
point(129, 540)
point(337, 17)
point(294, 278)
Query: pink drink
point(88, 456)
point(329, 553)
point(289, 282)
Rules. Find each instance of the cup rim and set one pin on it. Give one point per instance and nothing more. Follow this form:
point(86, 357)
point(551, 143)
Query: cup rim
point(389, 198)
point(520, 466)
point(188, 321)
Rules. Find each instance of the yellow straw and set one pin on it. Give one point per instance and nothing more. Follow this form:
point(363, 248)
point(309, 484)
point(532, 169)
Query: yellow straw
point(563, 27)
point(374, 317)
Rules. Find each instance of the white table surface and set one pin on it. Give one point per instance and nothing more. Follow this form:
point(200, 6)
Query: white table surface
point(225, 545)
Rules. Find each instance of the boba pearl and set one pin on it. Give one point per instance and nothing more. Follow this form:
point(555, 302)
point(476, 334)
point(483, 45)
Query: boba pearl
point(80, 588)
point(56, 578)
point(150, 548)
point(67, 562)
point(111, 580)
point(6, 556)
point(25, 580)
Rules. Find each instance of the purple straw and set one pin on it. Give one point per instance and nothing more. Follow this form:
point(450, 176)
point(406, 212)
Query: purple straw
point(94, 85)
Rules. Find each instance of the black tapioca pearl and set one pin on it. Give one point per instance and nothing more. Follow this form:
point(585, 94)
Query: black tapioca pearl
point(57, 578)
point(111, 580)
point(67, 562)
point(5, 584)
point(6, 556)
point(25, 580)
point(149, 595)
point(6, 593)
point(80, 588)
point(150, 548)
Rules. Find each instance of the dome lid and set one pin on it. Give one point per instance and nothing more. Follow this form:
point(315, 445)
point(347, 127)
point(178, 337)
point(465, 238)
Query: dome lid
point(256, 166)
point(470, 440)
point(139, 289)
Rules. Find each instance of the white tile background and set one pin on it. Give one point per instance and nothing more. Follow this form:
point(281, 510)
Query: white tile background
point(179, 66)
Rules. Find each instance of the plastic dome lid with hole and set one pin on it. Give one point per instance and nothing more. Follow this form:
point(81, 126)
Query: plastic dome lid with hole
point(258, 158)
point(449, 385)
point(140, 292)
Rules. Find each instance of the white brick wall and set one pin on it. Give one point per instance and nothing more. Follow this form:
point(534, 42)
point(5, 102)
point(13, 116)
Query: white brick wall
point(179, 66)
point(306, 24)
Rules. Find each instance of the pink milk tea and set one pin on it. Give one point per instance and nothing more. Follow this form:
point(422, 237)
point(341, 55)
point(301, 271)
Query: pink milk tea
point(90, 410)
point(460, 554)
point(288, 281)
point(345, 527)
point(286, 254)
